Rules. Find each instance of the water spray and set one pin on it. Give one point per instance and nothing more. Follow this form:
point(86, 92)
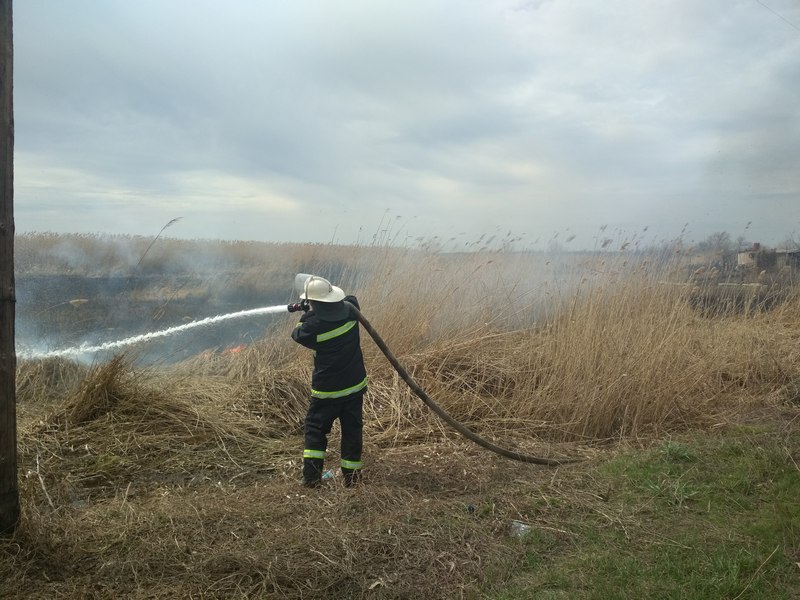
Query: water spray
point(85, 348)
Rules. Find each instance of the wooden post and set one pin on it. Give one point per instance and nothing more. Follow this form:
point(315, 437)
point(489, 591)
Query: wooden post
point(9, 487)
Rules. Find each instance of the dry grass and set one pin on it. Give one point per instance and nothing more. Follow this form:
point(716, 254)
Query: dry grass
point(404, 535)
point(180, 481)
point(131, 490)
point(44, 381)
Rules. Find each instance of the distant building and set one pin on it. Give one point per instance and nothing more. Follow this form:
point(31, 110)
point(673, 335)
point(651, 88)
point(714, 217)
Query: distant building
point(757, 257)
point(763, 259)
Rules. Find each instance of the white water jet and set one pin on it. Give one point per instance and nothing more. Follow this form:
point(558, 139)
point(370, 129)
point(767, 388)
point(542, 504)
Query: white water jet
point(85, 348)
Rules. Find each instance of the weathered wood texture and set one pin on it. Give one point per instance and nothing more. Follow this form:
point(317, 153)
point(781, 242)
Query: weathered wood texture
point(9, 487)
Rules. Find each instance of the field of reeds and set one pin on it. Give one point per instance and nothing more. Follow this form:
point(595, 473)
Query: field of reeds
point(179, 479)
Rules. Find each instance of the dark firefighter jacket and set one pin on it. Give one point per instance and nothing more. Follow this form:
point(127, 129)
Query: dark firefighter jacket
point(338, 363)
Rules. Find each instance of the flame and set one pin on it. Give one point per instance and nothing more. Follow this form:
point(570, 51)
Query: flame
point(234, 349)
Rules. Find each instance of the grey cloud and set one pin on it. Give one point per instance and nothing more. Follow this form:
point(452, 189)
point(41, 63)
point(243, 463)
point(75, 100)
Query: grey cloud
point(578, 111)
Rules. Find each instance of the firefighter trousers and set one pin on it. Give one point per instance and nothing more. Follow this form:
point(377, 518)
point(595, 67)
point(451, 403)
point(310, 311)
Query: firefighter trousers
point(322, 412)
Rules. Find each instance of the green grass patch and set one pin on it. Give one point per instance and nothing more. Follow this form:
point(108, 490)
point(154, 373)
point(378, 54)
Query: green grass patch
point(707, 516)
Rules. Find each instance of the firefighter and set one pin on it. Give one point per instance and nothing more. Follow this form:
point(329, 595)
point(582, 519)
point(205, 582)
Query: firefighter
point(339, 379)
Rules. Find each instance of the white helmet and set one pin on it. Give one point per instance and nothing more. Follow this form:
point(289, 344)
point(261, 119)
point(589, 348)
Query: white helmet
point(320, 290)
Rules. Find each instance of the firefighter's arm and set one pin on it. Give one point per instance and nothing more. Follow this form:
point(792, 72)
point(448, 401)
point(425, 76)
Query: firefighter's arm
point(304, 334)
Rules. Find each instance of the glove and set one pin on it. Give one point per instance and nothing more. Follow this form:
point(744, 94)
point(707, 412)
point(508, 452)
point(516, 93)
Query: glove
point(297, 306)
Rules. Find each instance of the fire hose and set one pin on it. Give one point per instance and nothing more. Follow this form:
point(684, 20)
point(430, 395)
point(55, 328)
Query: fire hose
point(440, 412)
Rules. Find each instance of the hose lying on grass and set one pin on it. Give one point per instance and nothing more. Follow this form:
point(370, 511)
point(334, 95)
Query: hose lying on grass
point(462, 429)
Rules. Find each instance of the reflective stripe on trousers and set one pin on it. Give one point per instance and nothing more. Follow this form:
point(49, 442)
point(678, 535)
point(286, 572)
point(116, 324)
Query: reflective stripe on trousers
point(341, 393)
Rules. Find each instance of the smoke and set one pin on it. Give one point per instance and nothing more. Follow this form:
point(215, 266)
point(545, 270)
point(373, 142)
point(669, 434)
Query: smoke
point(176, 282)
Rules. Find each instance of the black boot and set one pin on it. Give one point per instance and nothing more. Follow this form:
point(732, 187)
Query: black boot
point(312, 471)
point(351, 477)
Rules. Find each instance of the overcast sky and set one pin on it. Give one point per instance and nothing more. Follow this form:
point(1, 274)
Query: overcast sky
point(312, 121)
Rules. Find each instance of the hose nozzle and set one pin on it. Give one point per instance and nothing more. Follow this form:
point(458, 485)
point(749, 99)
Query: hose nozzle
point(298, 306)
